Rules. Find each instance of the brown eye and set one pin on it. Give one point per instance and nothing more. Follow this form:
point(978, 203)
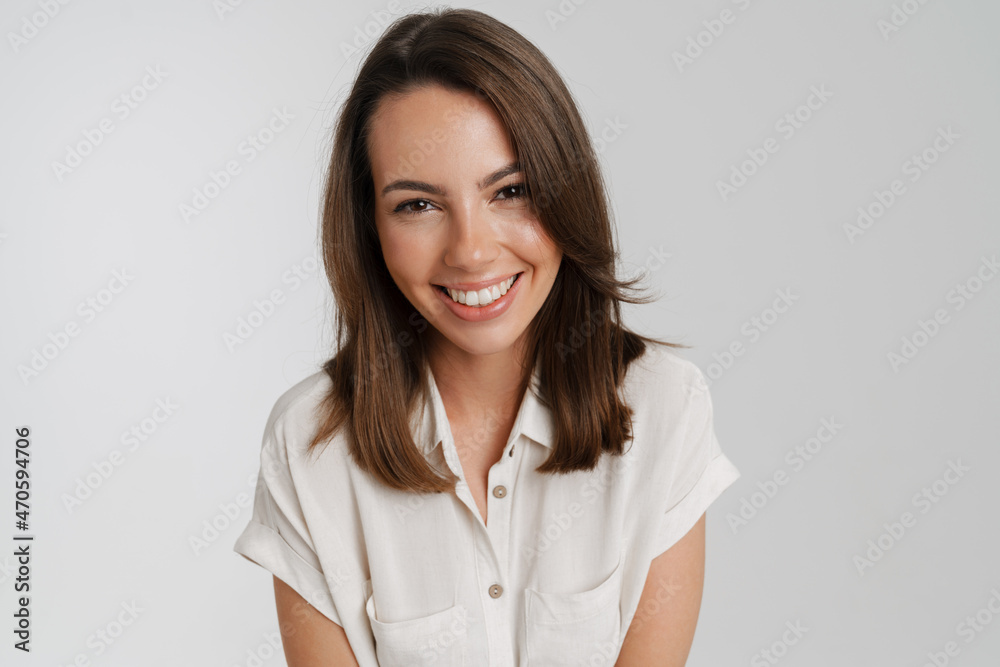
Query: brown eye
point(405, 209)
point(516, 191)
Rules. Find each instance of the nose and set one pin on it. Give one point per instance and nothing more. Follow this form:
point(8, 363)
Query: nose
point(471, 239)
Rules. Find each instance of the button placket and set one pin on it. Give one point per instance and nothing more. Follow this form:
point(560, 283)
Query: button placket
point(490, 571)
point(499, 505)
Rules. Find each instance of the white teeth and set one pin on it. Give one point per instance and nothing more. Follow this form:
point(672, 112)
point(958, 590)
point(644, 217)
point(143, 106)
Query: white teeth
point(483, 297)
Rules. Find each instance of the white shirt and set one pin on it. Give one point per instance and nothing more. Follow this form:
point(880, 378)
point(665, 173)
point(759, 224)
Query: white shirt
point(553, 577)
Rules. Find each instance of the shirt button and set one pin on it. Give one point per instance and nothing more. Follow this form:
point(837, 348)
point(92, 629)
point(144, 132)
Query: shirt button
point(496, 590)
point(499, 491)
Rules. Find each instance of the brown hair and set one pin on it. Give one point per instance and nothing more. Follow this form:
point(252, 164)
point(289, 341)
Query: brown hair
point(577, 338)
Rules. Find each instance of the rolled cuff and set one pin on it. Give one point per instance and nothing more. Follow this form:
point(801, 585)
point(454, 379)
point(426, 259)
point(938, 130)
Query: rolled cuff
point(677, 521)
point(264, 546)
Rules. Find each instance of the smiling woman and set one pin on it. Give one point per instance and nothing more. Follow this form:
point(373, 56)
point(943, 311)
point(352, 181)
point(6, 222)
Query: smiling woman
point(480, 227)
point(492, 469)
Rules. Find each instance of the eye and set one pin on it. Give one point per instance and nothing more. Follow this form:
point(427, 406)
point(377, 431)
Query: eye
point(418, 206)
point(403, 208)
point(519, 191)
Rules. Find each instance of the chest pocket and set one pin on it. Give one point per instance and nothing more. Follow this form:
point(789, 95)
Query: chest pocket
point(574, 628)
point(439, 639)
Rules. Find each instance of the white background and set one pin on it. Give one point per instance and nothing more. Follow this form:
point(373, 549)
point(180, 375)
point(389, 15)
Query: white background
point(681, 130)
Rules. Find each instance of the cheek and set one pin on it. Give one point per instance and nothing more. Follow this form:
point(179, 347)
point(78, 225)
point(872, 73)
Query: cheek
point(541, 248)
point(390, 251)
point(404, 253)
point(388, 239)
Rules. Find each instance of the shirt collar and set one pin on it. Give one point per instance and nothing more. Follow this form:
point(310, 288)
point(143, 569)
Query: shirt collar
point(534, 420)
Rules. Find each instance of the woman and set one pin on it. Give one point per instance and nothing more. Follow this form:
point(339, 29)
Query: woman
point(492, 470)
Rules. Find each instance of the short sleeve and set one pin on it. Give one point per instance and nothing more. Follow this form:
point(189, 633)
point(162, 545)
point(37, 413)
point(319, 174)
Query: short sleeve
point(698, 472)
point(277, 537)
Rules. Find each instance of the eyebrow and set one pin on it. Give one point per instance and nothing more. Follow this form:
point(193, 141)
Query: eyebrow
point(512, 168)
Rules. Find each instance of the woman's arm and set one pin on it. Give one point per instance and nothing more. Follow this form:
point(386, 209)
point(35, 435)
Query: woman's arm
point(662, 630)
point(310, 638)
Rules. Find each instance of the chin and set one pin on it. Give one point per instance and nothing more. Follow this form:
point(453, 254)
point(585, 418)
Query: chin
point(479, 345)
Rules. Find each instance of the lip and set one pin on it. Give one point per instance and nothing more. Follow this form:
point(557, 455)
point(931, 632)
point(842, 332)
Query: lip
point(467, 287)
point(481, 314)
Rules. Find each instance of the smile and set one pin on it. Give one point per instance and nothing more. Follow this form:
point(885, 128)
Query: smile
point(483, 297)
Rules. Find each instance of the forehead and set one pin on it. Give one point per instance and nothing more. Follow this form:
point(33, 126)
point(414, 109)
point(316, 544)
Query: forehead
point(433, 127)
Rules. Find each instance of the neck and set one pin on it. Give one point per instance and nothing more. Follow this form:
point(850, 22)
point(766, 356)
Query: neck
point(479, 390)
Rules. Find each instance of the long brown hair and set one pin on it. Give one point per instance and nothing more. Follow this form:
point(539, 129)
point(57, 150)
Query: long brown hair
point(577, 337)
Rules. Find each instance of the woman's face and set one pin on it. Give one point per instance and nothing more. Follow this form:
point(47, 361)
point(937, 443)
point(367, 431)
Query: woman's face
point(451, 213)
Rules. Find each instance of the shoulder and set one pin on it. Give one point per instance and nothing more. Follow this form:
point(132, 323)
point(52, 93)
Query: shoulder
point(673, 438)
point(294, 418)
point(302, 397)
point(663, 376)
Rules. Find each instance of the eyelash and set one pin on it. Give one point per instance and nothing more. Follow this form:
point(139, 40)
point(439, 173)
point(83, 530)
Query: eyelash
point(401, 209)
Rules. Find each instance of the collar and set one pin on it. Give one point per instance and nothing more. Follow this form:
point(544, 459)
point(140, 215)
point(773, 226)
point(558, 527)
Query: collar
point(534, 420)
